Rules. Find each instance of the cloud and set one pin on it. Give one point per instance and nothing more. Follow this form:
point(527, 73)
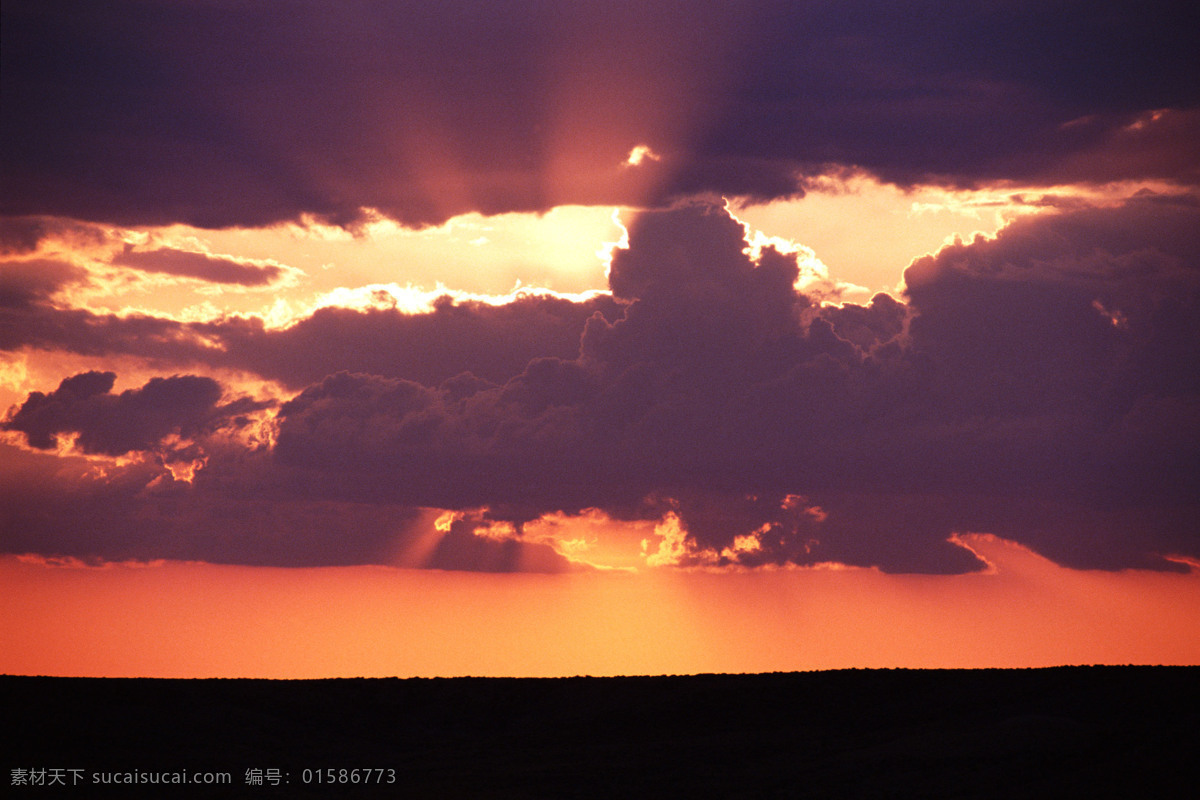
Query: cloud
point(1046, 348)
point(235, 506)
point(183, 406)
point(1040, 386)
point(225, 115)
point(75, 330)
point(463, 548)
point(1076, 309)
point(205, 266)
point(20, 235)
point(1004, 397)
point(24, 284)
point(491, 341)
point(138, 512)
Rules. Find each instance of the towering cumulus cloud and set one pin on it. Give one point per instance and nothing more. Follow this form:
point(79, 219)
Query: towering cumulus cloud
point(1024, 390)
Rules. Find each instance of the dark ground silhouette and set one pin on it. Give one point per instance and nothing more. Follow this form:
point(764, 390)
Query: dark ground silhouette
point(1062, 732)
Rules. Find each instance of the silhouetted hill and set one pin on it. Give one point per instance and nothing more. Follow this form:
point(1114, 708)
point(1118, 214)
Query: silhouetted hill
point(1063, 732)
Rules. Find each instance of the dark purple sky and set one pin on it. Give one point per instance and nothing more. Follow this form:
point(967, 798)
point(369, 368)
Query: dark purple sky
point(229, 113)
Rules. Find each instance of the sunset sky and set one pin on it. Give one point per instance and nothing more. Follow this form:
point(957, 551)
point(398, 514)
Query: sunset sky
point(555, 338)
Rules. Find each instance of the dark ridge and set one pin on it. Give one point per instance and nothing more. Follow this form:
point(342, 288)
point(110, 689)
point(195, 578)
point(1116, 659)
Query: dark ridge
point(1059, 732)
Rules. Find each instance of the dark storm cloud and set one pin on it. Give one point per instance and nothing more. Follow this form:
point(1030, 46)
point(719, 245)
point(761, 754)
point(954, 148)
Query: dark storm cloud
point(136, 419)
point(222, 114)
point(206, 267)
point(1026, 390)
point(1041, 386)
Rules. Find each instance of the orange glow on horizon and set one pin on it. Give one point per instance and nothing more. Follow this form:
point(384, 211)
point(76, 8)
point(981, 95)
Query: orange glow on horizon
point(176, 619)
